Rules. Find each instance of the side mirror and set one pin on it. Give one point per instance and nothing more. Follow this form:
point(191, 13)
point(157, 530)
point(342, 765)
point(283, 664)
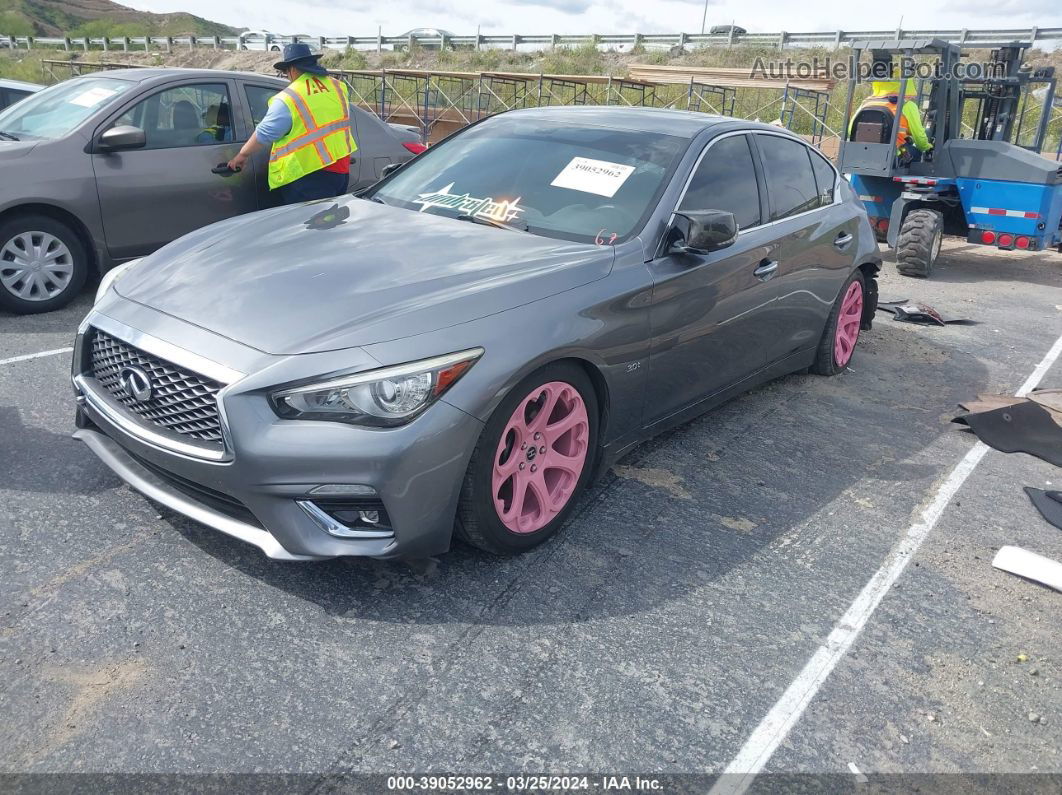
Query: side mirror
point(390, 168)
point(703, 231)
point(124, 137)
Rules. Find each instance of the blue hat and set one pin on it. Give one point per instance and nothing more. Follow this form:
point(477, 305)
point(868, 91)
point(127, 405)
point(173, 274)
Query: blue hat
point(302, 57)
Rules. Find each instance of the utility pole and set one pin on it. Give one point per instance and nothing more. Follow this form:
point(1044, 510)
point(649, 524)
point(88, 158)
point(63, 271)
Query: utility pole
point(704, 16)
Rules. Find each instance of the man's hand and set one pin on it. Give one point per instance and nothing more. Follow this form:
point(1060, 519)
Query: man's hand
point(237, 163)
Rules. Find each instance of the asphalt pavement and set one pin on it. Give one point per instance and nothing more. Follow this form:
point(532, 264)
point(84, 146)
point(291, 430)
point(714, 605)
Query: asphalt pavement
point(652, 637)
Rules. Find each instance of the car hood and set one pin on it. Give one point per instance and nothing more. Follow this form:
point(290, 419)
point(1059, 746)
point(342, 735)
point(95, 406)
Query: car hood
point(339, 273)
point(12, 150)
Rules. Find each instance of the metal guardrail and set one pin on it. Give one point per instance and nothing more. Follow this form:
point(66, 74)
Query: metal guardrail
point(963, 37)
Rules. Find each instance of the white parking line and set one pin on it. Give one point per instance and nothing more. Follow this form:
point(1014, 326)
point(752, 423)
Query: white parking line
point(773, 729)
point(40, 355)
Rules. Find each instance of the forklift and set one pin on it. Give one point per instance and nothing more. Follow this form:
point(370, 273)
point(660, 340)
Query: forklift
point(978, 182)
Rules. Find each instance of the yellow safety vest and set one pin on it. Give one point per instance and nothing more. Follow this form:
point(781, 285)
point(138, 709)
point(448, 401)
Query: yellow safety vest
point(320, 128)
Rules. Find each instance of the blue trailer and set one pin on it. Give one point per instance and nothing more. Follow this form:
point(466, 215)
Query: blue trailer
point(984, 188)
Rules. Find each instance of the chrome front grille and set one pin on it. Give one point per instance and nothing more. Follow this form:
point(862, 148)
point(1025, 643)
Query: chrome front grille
point(181, 401)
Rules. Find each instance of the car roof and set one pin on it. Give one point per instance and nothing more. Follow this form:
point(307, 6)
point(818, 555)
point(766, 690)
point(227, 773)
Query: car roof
point(20, 84)
point(680, 123)
point(160, 74)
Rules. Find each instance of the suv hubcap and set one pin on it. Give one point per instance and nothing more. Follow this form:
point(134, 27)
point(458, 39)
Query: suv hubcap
point(35, 266)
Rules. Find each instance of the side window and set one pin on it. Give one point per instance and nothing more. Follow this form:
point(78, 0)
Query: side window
point(195, 115)
point(726, 180)
point(258, 100)
point(825, 178)
point(791, 185)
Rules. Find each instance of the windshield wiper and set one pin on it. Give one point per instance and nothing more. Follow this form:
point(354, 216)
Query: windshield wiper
point(9, 136)
point(376, 199)
point(479, 219)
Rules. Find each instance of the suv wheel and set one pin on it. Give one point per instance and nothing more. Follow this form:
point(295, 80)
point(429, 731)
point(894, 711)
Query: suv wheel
point(43, 264)
point(918, 244)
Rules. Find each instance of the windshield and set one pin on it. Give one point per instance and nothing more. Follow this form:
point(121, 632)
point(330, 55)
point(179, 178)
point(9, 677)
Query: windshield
point(583, 183)
point(56, 111)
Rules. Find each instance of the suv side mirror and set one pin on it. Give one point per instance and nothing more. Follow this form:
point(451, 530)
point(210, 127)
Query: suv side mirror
point(124, 137)
point(703, 231)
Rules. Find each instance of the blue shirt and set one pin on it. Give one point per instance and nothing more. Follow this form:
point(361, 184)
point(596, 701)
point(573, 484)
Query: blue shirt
point(276, 123)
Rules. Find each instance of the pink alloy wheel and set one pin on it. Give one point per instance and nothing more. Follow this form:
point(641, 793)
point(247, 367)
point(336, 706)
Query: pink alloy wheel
point(848, 320)
point(540, 457)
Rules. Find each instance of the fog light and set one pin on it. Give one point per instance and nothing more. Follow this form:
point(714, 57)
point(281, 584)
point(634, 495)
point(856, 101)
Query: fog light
point(348, 521)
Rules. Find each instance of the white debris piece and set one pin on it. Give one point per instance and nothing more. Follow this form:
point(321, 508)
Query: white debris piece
point(860, 778)
point(1029, 565)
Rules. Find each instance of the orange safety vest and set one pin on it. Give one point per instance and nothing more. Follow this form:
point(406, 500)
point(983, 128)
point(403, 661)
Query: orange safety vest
point(891, 108)
point(320, 128)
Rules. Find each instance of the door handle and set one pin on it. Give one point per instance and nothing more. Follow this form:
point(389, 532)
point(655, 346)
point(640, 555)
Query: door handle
point(842, 240)
point(765, 270)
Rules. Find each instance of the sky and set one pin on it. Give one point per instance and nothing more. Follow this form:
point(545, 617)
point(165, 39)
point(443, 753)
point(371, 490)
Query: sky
point(364, 17)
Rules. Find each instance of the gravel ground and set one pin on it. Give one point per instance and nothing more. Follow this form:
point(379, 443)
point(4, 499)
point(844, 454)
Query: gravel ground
point(652, 636)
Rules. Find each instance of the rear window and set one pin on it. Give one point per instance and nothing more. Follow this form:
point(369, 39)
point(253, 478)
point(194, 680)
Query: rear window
point(825, 178)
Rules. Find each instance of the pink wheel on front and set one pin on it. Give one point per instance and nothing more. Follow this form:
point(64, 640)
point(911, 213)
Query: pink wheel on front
point(540, 457)
point(848, 320)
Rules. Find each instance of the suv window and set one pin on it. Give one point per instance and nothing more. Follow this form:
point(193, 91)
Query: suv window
point(825, 178)
point(790, 181)
point(726, 180)
point(258, 100)
point(194, 115)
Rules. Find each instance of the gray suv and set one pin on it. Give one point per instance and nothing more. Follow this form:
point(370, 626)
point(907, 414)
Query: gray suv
point(109, 167)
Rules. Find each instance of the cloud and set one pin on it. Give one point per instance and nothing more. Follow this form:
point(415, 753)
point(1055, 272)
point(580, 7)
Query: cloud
point(564, 6)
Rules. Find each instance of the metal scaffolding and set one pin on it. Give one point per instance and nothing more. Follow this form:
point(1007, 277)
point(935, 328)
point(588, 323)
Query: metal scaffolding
point(815, 104)
point(438, 103)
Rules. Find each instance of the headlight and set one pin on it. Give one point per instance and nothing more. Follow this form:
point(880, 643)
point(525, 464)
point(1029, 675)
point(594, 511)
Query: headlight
point(390, 396)
point(111, 276)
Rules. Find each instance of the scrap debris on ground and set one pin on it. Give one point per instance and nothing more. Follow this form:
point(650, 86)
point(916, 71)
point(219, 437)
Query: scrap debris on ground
point(908, 311)
point(1010, 424)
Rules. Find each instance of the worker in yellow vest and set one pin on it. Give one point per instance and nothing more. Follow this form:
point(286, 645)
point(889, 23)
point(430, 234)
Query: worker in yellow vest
point(884, 96)
point(308, 126)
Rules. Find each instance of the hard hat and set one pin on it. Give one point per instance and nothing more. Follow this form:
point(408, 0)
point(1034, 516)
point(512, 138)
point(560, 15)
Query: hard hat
point(884, 88)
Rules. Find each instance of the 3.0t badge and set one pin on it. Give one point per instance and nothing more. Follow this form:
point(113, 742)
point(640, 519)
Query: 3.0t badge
point(136, 383)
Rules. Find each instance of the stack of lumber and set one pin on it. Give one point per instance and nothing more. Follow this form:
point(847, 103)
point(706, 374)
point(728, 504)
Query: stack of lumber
point(724, 77)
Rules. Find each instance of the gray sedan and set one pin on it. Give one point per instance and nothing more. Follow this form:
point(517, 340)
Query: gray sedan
point(461, 348)
point(105, 168)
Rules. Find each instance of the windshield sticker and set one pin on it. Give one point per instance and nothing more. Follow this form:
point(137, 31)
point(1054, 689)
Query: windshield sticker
point(593, 176)
point(496, 210)
point(92, 97)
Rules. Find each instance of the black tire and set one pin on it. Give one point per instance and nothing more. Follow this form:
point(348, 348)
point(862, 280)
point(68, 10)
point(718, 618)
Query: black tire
point(10, 232)
point(918, 244)
point(478, 522)
point(825, 361)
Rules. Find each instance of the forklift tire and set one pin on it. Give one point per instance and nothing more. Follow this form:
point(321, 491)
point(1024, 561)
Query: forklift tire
point(918, 244)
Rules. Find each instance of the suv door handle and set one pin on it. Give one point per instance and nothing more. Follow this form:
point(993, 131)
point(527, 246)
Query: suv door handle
point(765, 270)
point(842, 240)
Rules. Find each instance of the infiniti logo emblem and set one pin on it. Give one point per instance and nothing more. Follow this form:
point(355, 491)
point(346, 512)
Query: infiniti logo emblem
point(136, 383)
